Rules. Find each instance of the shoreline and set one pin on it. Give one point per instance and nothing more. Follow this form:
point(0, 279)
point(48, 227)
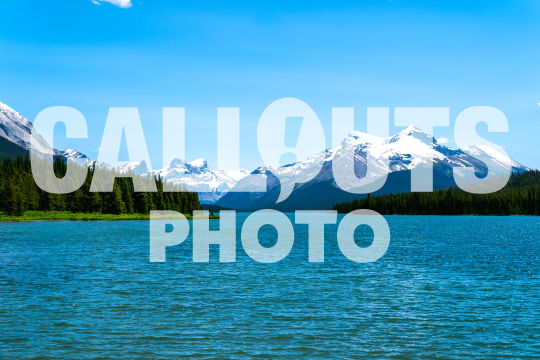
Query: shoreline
point(55, 216)
point(51, 216)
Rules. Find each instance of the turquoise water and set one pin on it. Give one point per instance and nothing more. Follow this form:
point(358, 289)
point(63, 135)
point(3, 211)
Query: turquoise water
point(448, 287)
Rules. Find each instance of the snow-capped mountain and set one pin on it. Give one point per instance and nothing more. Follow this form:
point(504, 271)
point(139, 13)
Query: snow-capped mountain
point(313, 183)
point(308, 184)
point(17, 129)
point(73, 154)
point(196, 176)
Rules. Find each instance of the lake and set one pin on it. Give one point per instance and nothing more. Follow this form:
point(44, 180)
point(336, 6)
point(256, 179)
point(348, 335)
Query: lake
point(448, 288)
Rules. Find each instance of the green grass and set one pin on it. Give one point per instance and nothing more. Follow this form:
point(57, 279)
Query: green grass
point(67, 215)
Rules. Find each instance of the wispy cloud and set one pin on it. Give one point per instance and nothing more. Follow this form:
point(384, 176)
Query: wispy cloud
point(120, 3)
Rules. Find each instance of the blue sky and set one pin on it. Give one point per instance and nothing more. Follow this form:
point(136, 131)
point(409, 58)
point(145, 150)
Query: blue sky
point(202, 55)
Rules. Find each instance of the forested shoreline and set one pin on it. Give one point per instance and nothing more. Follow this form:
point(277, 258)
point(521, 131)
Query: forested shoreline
point(521, 196)
point(19, 193)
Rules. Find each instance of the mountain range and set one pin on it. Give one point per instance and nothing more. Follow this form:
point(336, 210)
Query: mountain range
point(406, 150)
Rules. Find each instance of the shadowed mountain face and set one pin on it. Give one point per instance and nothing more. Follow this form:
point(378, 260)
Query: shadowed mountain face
point(320, 195)
point(323, 192)
point(9, 149)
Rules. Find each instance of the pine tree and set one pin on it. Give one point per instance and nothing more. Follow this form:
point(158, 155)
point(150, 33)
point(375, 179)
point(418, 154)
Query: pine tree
point(18, 192)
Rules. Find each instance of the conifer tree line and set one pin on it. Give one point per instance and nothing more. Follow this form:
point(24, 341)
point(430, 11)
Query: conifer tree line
point(19, 193)
point(521, 196)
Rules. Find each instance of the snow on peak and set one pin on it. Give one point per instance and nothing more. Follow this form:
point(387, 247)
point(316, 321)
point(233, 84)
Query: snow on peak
point(197, 176)
point(13, 115)
point(137, 167)
point(17, 129)
point(177, 163)
point(411, 131)
point(73, 154)
point(361, 138)
point(198, 164)
point(495, 153)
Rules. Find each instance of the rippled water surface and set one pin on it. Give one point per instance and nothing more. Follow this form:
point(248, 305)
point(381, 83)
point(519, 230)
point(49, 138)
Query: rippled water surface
point(448, 287)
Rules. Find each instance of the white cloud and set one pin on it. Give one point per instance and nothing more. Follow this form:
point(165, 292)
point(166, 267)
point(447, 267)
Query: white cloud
point(538, 104)
point(442, 140)
point(120, 3)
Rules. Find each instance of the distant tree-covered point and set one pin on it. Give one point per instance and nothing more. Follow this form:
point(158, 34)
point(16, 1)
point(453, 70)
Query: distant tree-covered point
point(19, 193)
point(521, 196)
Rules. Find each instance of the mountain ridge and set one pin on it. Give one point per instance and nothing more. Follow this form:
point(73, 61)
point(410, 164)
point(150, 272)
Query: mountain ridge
point(405, 151)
